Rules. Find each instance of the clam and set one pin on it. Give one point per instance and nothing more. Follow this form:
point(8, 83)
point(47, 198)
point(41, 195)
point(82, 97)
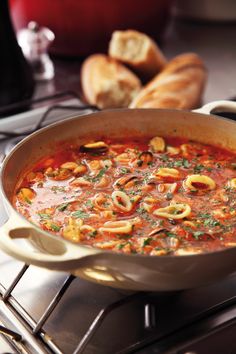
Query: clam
point(80, 182)
point(172, 150)
point(126, 182)
point(35, 177)
point(146, 157)
point(97, 147)
point(232, 183)
point(167, 187)
point(59, 174)
point(72, 231)
point(77, 169)
point(164, 172)
point(70, 165)
point(157, 144)
point(25, 195)
point(158, 252)
point(101, 201)
point(157, 231)
point(103, 182)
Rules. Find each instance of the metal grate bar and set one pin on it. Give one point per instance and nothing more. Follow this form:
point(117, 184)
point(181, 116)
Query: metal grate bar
point(53, 304)
point(9, 333)
point(97, 322)
point(12, 134)
point(8, 291)
point(30, 102)
point(28, 322)
point(61, 107)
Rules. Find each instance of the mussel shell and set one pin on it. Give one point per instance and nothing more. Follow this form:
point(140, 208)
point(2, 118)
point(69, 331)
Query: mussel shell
point(96, 148)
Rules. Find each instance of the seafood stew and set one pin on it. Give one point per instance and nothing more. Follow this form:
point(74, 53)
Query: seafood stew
point(153, 196)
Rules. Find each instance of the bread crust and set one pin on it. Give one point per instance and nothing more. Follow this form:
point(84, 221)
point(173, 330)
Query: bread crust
point(180, 85)
point(137, 50)
point(107, 83)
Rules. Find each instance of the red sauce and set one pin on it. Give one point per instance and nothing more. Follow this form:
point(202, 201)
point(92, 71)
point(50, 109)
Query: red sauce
point(127, 196)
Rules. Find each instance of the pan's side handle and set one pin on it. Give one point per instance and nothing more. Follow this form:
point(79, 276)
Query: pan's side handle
point(217, 107)
point(44, 250)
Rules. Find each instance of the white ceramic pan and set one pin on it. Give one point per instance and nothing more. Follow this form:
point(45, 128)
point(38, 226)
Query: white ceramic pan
point(136, 272)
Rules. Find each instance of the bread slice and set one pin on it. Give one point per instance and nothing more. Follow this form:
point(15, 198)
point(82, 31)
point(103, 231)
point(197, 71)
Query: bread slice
point(180, 85)
point(107, 83)
point(137, 50)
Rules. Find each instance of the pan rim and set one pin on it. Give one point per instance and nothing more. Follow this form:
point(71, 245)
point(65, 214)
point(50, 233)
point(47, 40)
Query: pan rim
point(107, 252)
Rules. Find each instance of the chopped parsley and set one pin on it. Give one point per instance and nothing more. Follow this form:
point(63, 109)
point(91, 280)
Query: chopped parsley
point(198, 168)
point(63, 207)
point(147, 241)
point(93, 234)
point(27, 200)
point(80, 214)
point(99, 175)
point(179, 163)
point(170, 234)
point(209, 220)
point(169, 196)
point(89, 203)
point(56, 189)
point(197, 234)
point(164, 158)
point(122, 245)
point(44, 216)
point(124, 170)
point(55, 227)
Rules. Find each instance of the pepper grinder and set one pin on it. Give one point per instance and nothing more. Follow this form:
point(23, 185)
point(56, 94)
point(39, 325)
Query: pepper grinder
point(16, 77)
point(35, 41)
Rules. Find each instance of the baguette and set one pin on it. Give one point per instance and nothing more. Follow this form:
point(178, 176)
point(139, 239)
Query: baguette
point(180, 85)
point(137, 50)
point(107, 83)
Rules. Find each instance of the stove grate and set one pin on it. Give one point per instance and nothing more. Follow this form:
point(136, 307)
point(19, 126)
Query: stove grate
point(43, 120)
point(35, 329)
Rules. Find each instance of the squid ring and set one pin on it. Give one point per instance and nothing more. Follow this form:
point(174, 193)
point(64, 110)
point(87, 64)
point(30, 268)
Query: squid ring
point(121, 201)
point(199, 182)
point(173, 211)
point(117, 227)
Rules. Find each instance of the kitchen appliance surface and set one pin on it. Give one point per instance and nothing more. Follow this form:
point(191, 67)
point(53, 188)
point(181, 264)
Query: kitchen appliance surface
point(44, 311)
point(133, 272)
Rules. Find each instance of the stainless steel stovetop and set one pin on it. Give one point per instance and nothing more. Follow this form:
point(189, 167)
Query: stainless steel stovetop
point(44, 311)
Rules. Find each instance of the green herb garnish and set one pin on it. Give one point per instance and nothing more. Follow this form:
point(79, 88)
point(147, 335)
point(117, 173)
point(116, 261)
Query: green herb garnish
point(44, 216)
point(63, 206)
point(198, 168)
point(169, 196)
point(197, 234)
point(55, 227)
point(80, 214)
point(147, 241)
point(124, 170)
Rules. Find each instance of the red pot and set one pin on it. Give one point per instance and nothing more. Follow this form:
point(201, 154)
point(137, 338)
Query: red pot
point(83, 27)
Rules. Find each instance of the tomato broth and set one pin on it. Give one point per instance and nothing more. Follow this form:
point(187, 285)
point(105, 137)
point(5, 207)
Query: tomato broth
point(154, 196)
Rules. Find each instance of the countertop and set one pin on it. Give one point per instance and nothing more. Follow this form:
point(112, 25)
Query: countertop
point(214, 42)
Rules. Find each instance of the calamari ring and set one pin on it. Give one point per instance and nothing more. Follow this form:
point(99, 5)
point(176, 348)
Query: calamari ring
point(174, 211)
point(117, 227)
point(199, 182)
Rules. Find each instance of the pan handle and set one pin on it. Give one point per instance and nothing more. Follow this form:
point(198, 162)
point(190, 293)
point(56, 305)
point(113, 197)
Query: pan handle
point(217, 107)
point(48, 250)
